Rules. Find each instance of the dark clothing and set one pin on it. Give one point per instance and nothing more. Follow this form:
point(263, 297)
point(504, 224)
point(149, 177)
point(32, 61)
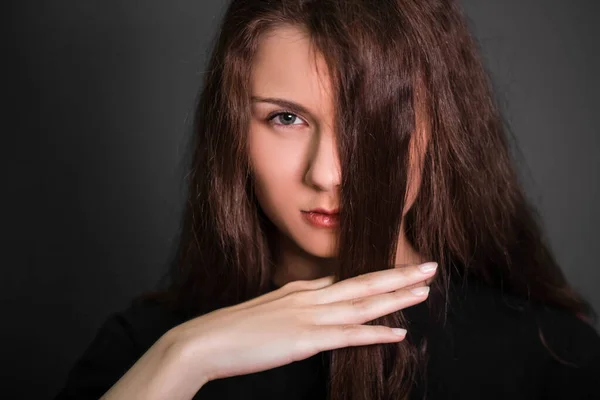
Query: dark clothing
point(492, 347)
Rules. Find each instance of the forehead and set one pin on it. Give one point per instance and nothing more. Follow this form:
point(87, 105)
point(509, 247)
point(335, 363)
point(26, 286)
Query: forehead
point(287, 66)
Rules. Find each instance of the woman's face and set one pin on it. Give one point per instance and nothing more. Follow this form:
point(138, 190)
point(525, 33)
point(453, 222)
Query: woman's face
point(292, 147)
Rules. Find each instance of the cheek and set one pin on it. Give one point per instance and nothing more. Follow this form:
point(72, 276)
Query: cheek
point(276, 165)
point(412, 190)
point(414, 184)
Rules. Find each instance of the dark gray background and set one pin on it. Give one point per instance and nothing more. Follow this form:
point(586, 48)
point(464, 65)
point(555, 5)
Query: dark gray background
point(100, 95)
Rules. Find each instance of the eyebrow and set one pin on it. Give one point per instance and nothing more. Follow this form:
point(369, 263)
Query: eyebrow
point(290, 105)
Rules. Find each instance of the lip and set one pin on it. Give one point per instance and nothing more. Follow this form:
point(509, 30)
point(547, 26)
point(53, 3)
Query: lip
point(320, 218)
point(324, 211)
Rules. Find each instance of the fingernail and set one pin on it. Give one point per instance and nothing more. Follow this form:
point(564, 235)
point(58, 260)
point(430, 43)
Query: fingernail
point(428, 267)
point(399, 331)
point(420, 291)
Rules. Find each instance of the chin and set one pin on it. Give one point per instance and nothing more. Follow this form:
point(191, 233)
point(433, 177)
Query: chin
point(321, 249)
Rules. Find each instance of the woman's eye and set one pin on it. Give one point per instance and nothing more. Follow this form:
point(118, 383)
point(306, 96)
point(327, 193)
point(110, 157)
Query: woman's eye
point(286, 118)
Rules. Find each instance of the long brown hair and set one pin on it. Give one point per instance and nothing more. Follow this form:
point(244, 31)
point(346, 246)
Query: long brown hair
point(393, 63)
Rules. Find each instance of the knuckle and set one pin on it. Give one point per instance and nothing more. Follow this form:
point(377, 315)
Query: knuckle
point(304, 342)
point(368, 281)
point(360, 306)
point(298, 298)
point(308, 316)
point(295, 286)
point(290, 286)
point(351, 332)
point(404, 273)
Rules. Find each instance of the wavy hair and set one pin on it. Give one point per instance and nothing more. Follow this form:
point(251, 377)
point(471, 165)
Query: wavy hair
point(396, 66)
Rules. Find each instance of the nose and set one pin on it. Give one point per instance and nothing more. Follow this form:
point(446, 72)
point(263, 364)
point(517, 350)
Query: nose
point(324, 171)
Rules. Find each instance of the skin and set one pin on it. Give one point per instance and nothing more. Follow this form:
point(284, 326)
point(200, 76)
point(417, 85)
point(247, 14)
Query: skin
point(294, 157)
point(296, 169)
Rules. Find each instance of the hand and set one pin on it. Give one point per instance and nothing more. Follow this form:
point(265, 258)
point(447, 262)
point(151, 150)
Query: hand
point(297, 321)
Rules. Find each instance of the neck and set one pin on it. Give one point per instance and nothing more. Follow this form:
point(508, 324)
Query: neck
point(293, 263)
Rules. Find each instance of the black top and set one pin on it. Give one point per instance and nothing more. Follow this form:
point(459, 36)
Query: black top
point(490, 348)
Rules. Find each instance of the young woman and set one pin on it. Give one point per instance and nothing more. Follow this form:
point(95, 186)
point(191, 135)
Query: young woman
point(343, 150)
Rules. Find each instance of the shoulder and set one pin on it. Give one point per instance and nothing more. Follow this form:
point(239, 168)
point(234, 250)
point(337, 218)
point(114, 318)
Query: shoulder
point(490, 311)
point(121, 339)
point(145, 321)
point(571, 354)
point(139, 325)
point(551, 349)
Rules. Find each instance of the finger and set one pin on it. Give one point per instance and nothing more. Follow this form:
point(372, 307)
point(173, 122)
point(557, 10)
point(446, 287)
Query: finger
point(416, 285)
point(290, 287)
point(426, 282)
point(374, 283)
point(364, 309)
point(339, 336)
